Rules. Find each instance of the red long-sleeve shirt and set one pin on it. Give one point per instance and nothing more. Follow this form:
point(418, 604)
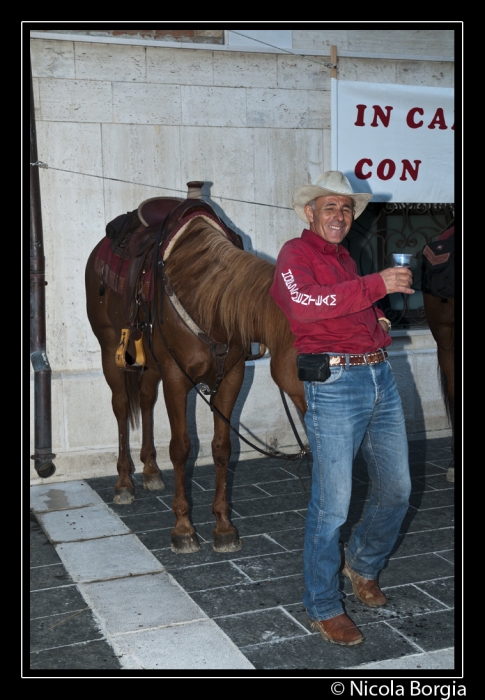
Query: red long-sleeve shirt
point(330, 308)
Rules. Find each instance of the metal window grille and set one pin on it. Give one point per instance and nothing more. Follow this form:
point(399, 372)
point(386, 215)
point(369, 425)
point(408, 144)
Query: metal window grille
point(383, 229)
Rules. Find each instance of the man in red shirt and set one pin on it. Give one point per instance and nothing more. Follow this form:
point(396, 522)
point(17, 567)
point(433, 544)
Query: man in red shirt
point(354, 403)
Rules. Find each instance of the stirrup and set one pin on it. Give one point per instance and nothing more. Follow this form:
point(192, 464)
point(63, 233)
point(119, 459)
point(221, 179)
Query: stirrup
point(120, 356)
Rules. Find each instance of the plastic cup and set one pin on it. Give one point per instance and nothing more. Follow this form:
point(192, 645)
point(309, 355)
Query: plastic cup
point(401, 259)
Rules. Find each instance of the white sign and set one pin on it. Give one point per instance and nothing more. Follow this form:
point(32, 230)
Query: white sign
point(396, 141)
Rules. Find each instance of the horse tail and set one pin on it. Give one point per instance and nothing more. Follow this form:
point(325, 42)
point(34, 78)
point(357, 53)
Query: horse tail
point(132, 388)
point(450, 413)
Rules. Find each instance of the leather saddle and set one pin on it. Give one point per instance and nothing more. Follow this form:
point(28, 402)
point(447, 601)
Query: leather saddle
point(123, 255)
point(127, 260)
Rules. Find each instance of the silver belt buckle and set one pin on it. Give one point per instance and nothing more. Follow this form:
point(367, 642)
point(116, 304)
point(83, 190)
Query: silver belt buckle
point(334, 360)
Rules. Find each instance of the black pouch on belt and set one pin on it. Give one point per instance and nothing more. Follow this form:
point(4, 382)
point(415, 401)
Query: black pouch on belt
point(313, 367)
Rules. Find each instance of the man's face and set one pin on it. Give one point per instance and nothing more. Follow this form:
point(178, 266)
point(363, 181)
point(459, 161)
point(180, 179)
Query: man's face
point(332, 217)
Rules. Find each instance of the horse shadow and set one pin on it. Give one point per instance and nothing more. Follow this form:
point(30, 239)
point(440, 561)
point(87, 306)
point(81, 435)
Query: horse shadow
point(206, 196)
point(193, 413)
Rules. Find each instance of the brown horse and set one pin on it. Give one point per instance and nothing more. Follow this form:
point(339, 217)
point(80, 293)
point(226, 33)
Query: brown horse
point(225, 291)
point(440, 314)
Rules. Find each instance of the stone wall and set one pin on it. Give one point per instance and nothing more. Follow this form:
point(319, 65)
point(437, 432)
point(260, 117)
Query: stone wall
point(119, 123)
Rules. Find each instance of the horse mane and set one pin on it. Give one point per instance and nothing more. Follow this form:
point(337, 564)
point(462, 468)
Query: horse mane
point(224, 287)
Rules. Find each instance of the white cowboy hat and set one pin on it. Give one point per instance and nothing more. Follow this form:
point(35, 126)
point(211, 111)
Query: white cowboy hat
point(332, 182)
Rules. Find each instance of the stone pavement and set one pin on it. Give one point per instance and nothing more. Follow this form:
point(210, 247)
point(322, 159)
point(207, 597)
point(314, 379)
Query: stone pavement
point(107, 594)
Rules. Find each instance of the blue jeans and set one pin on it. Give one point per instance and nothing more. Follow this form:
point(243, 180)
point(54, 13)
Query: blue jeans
point(357, 405)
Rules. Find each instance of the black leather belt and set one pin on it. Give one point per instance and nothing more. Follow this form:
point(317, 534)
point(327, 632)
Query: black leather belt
point(368, 358)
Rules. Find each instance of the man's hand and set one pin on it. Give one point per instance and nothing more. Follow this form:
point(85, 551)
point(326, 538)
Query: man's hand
point(397, 279)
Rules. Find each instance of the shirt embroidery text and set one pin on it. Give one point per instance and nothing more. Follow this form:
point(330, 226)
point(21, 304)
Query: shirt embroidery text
point(306, 299)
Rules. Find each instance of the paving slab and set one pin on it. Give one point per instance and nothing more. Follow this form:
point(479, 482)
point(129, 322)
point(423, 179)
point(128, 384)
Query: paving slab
point(200, 645)
point(441, 589)
point(430, 631)
point(262, 627)
point(84, 656)
point(66, 494)
point(59, 630)
point(141, 602)
point(79, 524)
point(54, 601)
point(52, 576)
point(40, 554)
point(444, 659)
point(109, 557)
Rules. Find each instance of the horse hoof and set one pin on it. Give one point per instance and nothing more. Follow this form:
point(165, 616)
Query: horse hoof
point(124, 496)
point(185, 544)
point(450, 474)
point(153, 482)
point(226, 543)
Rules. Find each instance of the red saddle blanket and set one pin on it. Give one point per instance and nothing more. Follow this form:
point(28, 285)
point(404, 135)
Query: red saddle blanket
point(113, 266)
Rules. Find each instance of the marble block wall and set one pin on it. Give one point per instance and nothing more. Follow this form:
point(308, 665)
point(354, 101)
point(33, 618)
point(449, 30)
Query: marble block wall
point(120, 123)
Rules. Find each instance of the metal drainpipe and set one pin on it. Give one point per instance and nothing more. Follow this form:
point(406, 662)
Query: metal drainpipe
point(42, 372)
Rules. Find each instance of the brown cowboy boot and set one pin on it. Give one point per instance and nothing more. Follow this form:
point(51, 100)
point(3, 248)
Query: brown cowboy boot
point(365, 589)
point(338, 630)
